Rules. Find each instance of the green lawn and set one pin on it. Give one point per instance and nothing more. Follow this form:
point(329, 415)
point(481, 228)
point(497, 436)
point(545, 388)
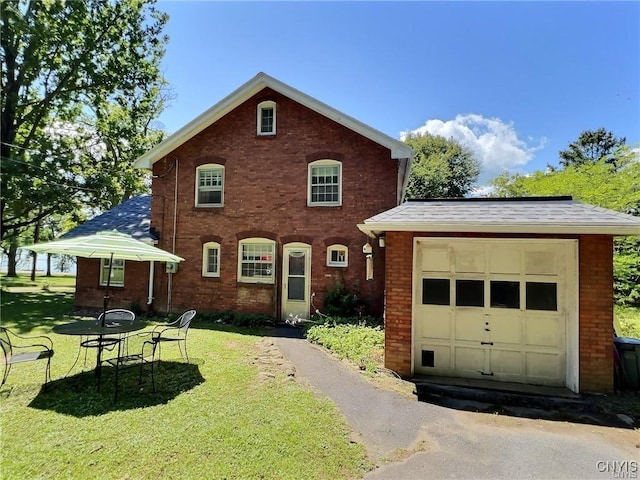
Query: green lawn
point(629, 319)
point(215, 417)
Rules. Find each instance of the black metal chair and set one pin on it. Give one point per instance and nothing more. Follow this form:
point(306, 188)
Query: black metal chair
point(20, 349)
point(173, 332)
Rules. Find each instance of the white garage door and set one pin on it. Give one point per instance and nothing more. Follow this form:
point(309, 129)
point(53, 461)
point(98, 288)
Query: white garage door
point(494, 309)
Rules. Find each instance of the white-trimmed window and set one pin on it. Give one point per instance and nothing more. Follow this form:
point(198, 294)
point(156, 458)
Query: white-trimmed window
point(337, 256)
point(211, 259)
point(267, 118)
point(256, 258)
point(325, 183)
point(117, 272)
point(210, 185)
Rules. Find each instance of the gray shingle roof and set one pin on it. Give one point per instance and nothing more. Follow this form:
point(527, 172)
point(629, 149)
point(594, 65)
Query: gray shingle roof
point(132, 217)
point(512, 215)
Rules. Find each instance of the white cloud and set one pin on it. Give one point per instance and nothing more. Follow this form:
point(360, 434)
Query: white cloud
point(494, 143)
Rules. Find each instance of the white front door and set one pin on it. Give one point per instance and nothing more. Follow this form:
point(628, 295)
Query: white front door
point(296, 280)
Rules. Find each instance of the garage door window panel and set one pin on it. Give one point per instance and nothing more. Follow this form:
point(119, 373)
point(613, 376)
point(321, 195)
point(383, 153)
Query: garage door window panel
point(505, 294)
point(436, 291)
point(542, 296)
point(469, 293)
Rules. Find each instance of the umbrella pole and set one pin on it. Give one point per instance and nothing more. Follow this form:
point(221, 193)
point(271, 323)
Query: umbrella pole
point(106, 294)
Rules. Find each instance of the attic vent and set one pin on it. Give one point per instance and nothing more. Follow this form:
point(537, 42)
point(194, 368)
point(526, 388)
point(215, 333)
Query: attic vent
point(428, 358)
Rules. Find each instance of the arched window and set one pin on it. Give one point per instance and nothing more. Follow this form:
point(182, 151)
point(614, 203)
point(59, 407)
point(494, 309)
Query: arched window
point(266, 118)
point(210, 185)
point(325, 183)
point(256, 260)
point(211, 259)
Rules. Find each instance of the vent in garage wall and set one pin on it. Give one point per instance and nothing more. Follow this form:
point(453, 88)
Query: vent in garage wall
point(428, 358)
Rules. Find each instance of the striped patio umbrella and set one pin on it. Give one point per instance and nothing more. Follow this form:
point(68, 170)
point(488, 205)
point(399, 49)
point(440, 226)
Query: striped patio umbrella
point(112, 245)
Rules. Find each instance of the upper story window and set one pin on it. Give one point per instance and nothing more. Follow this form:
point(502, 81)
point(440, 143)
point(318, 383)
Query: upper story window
point(267, 118)
point(210, 185)
point(211, 259)
point(337, 256)
point(117, 272)
point(325, 183)
point(256, 258)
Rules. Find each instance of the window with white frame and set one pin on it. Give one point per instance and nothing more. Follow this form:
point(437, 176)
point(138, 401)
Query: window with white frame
point(210, 185)
point(325, 183)
point(337, 256)
point(211, 259)
point(117, 272)
point(256, 257)
point(267, 118)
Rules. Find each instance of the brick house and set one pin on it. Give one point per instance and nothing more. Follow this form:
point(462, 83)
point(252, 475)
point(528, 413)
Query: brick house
point(262, 194)
point(512, 290)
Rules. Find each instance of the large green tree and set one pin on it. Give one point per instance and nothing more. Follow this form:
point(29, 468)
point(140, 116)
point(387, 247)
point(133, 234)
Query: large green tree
point(592, 146)
point(67, 68)
point(81, 84)
point(612, 183)
point(441, 167)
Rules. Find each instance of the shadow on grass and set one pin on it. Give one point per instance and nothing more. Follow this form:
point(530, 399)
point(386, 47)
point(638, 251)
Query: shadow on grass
point(78, 396)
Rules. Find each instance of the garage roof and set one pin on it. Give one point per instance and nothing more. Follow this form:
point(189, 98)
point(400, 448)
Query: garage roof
point(558, 215)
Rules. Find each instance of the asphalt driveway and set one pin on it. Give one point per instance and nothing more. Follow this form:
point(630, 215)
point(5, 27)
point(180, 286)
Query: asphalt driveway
point(409, 439)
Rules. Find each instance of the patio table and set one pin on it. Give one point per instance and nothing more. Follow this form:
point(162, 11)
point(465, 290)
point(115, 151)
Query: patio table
point(92, 328)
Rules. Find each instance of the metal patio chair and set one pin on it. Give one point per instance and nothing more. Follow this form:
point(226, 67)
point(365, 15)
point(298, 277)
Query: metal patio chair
point(173, 332)
point(20, 348)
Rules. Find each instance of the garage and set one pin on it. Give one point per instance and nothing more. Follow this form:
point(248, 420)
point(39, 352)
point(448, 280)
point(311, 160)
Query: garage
point(495, 309)
point(516, 290)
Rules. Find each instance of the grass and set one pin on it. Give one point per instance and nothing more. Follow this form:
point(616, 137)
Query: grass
point(215, 417)
point(57, 282)
point(629, 319)
point(362, 345)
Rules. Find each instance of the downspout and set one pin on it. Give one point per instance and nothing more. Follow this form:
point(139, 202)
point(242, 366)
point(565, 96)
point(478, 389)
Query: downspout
point(173, 244)
point(404, 172)
point(151, 271)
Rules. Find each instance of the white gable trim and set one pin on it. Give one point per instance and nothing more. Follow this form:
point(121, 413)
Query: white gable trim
point(399, 150)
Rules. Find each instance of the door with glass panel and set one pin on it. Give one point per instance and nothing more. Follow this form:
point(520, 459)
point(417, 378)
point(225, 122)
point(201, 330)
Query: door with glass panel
point(296, 280)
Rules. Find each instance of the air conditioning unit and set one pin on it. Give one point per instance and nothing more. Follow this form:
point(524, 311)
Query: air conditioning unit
point(172, 267)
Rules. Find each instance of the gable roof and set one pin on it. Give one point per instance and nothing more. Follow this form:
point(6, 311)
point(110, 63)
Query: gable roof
point(256, 84)
point(132, 217)
point(552, 215)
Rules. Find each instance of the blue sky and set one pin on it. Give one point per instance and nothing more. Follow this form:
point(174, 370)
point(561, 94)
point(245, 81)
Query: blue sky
point(514, 81)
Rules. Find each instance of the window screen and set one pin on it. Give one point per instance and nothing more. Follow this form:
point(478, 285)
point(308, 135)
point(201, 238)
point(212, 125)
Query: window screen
point(469, 293)
point(505, 294)
point(435, 291)
point(542, 296)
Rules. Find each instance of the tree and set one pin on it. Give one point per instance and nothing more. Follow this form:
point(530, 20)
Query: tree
point(66, 67)
point(590, 147)
point(441, 167)
point(609, 183)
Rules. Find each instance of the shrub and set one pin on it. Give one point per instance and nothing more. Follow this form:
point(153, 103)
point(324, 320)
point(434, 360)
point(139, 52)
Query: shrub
point(341, 302)
point(248, 320)
point(626, 271)
point(360, 344)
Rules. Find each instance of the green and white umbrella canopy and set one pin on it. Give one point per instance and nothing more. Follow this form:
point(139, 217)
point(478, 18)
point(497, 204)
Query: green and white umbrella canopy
point(112, 245)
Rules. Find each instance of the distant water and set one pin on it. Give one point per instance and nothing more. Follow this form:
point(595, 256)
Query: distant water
point(24, 264)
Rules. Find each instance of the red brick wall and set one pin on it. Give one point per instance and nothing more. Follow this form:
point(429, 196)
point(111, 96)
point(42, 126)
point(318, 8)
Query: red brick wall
point(90, 295)
point(596, 313)
point(595, 304)
point(398, 284)
point(266, 190)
